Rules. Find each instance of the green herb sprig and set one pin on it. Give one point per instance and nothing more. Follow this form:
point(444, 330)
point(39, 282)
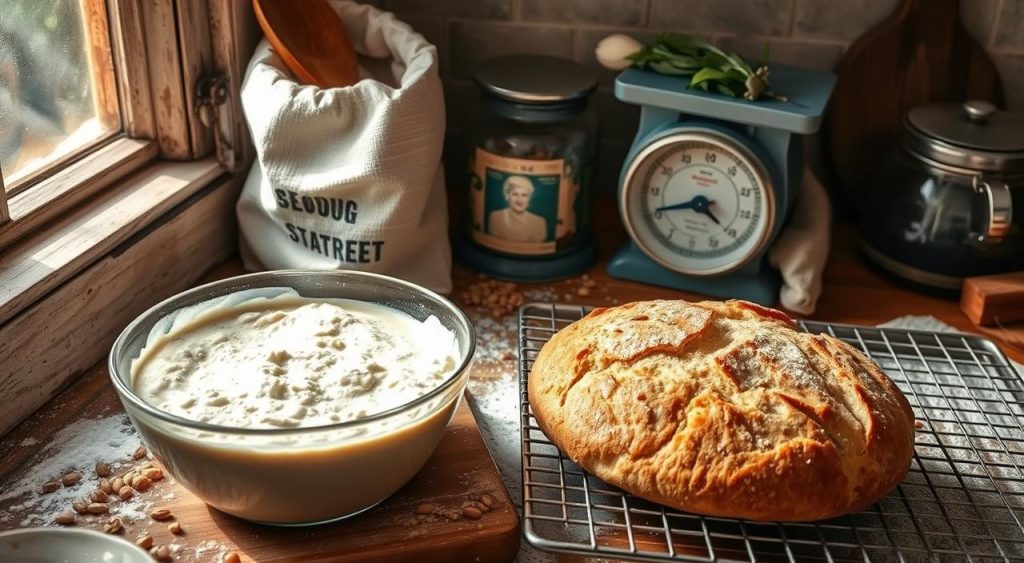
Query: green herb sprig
point(709, 68)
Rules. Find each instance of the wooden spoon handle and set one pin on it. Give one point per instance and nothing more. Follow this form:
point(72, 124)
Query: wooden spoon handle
point(310, 39)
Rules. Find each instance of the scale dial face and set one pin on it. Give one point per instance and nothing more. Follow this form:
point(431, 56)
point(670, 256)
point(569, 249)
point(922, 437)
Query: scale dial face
point(698, 203)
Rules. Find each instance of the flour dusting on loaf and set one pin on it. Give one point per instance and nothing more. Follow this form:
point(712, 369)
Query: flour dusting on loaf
point(723, 408)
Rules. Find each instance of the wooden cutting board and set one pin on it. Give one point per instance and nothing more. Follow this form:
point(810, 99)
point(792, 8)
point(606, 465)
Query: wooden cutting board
point(921, 54)
point(460, 470)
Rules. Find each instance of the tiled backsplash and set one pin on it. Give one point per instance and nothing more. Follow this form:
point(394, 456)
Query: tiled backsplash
point(804, 32)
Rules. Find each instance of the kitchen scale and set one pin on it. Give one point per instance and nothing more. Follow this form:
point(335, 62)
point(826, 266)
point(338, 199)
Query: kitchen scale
point(710, 180)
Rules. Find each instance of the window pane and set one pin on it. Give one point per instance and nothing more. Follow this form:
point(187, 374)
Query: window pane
point(57, 95)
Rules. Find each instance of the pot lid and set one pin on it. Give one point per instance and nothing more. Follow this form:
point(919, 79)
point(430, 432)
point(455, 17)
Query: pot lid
point(973, 134)
point(535, 79)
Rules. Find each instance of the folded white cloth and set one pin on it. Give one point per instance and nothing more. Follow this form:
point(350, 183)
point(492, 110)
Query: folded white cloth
point(802, 249)
point(350, 178)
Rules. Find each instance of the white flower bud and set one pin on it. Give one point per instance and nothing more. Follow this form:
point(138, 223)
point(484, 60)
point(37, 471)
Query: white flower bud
point(612, 51)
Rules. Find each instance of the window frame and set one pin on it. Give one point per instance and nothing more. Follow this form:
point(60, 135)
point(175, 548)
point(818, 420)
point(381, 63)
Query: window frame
point(148, 225)
point(52, 181)
point(103, 79)
point(153, 47)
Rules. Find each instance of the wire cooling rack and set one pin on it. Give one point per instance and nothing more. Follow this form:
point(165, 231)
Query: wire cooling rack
point(963, 499)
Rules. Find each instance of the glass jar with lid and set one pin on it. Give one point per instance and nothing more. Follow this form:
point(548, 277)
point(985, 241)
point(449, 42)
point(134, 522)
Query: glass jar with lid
point(532, 149)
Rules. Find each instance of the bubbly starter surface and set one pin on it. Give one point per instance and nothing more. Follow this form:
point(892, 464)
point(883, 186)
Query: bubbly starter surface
point(293, 362)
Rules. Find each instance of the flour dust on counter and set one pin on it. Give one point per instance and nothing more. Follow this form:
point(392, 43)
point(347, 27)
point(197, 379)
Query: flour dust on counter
point(496, 334)
point(493, 306)
point(74, 449)
point(77, 466)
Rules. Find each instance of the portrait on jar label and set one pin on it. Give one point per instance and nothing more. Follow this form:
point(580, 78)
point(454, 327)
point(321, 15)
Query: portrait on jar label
point(521, 207)
point(515, 221)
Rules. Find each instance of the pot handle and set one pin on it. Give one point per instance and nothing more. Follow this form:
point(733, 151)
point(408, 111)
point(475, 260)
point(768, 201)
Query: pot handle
point(1000, 209)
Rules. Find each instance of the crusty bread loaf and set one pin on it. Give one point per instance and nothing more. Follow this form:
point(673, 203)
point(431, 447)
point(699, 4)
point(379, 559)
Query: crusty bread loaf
point(724, 409)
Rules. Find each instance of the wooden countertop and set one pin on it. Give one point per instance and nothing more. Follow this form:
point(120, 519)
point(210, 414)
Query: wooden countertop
point(853, 294)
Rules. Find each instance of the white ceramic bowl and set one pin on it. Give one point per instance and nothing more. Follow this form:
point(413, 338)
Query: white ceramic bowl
point(299, 476)
point(67, 545)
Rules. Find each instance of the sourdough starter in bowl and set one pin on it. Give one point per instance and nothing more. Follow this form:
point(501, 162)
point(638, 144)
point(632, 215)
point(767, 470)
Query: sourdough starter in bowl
point(293, 362)
point(297, 366)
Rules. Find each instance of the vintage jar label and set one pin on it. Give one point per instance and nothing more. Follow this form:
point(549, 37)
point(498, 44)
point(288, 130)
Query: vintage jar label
point(522, 206)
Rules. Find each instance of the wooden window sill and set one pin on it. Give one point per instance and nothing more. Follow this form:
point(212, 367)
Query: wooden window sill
point(34, 266)
point(72, 185)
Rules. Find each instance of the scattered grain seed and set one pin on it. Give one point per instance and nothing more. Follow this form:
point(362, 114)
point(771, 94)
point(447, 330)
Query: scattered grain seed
point(161, 553)
point(589, 283)
point(97, 508)
point(160, 514)
point(231, 557)
point(99, 496)
point(65, 518)
point(425, 508)
point(50, 486)
point(128, 476)
point(71, 478)
point(141, 483)
point(114, 526)
point(153, 473)
point(488, 500)
point(583, 292)
point(106, 486)
point(472, 513)
point(116, 485)
point(81, 506)
point(500, 298)
point(125, 492)
point(140, 453)
point(175, 528)
point(102, 469)
point(144, 541)
point(918, 424)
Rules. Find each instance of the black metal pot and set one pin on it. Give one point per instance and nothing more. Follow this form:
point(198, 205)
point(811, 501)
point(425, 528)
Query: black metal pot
point(944, 205)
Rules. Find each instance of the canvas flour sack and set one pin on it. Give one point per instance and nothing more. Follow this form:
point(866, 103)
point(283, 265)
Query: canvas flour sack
point(349, 178)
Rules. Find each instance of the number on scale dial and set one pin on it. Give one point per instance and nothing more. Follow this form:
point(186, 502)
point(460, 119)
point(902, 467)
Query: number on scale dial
point(698, 203)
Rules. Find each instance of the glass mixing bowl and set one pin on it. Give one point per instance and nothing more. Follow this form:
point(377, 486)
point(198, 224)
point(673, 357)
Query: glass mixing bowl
point(298, 476)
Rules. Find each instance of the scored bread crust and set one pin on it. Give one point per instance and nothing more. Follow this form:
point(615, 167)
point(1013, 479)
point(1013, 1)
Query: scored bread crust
point(724, 409)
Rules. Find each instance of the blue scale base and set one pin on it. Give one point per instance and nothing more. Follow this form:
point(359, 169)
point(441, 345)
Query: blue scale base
point(761, 287)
